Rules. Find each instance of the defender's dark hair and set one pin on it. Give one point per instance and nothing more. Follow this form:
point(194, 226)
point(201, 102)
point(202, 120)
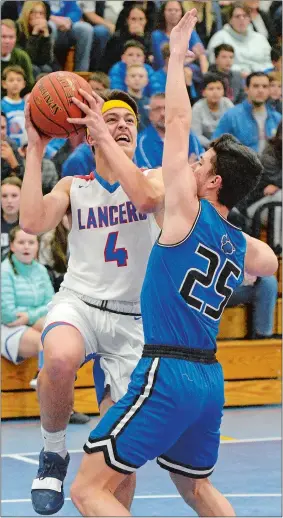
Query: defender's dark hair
point(223, 46)
point(133, 43)
point(212, 77)
point(276, 53)
point(239, 167)
point(161, 23)
point(255, 74)
point(119, 95)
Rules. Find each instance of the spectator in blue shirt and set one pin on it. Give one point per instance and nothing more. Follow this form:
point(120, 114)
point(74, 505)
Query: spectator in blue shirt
point(158, 79)
point(80, 162)
point(133, 54)
point(151, 140)
point(170, 14)
point(253, 121)
point(66, 17)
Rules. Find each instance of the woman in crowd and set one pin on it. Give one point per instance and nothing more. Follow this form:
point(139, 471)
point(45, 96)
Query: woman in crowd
point(34, 36)
point(209, 18)
point(261, 21)
point(134, 29)
point(10, 206)
point(169, 15)
point(26, 291)
point(150, 12)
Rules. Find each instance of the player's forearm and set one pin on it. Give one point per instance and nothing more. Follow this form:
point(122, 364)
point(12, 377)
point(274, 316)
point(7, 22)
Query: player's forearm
point(177, 102)
point(32, 206)
point(139, 189)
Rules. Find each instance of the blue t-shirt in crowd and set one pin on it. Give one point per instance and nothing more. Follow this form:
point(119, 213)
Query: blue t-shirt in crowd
point(80, 162)
point(158, 38)
point(69, 9)
point(14, 111)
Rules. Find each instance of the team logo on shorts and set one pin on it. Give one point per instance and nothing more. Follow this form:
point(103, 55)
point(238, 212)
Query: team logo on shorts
point(226, 245)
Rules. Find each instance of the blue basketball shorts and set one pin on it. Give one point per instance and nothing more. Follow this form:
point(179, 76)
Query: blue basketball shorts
point(172, 411)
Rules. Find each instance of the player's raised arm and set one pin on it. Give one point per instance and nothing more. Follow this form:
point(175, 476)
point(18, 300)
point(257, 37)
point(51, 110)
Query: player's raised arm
point(40, 213)
point(179, 181)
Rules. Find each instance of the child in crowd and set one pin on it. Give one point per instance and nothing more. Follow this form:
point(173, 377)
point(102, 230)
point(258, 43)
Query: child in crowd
point(207, 112)
point(133, 54)
point(275, 91)
point(26, 290)
point(136, 81)
point(10, 201)
point(99, 81)
point(13, 81)
point(158, 79)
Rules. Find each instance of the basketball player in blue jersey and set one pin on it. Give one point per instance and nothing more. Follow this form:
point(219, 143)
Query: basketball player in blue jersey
point(97, 310)
point(173, 406)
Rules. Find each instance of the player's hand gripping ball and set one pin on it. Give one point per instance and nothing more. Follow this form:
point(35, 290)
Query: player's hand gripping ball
point(51, 104)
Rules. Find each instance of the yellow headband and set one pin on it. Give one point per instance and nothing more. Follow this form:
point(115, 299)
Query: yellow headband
point(108, 105)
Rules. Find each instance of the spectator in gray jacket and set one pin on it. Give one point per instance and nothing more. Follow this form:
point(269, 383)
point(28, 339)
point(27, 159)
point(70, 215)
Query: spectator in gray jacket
point(207, 112)
point(224, 58)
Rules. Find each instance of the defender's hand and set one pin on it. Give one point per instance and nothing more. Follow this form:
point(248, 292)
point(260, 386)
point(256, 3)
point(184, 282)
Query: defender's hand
point(181, 34)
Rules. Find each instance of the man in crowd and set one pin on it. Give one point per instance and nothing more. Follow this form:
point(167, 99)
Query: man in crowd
point(253, 121)
point(151, 141)
point(224, 58)
point(11, 55)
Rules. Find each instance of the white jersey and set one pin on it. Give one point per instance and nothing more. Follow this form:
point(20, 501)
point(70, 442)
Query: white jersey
point(109, 242)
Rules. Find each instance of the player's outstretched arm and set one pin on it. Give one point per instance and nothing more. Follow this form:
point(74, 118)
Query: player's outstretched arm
point(147, 194)
point(179, 181)
point(40, 213)
point(260, 259)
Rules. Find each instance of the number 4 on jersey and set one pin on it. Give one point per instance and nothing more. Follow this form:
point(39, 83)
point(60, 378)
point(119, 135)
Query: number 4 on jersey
point(111, 253)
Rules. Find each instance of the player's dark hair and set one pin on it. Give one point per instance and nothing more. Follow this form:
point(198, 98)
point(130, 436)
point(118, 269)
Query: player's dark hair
point(276, 53)
point(119, 95)
point(254, 74)
point(161, 22)
point(133, 43)
point(239, 167)
point(212, 77)
point(223, 46)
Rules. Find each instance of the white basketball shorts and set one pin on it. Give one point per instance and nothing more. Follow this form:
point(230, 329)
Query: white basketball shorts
point(115, 339)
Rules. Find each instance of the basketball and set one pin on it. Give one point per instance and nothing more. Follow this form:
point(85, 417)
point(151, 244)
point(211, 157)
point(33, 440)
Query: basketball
point(51, 103)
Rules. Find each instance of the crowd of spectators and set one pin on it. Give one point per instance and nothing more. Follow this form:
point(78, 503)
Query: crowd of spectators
point(233, 80)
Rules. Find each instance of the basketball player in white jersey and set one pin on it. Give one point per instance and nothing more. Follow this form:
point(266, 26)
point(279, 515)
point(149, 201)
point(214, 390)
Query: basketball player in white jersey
point(97, 309)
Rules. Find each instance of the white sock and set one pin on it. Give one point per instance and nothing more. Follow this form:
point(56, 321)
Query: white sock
point(55, 442)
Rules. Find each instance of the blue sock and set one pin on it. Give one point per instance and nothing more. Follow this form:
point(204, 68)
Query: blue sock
point(40, 360)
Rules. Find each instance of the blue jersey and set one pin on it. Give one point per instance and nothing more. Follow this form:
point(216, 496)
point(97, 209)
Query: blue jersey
point(188, 285)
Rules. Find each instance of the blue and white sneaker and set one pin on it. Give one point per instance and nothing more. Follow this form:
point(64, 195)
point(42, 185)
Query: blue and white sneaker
point(47, 494)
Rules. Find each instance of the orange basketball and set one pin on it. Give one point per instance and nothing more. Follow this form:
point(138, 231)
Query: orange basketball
point(51, 103)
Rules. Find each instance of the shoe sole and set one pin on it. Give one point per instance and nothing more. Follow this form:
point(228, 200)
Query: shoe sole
point(50, 512)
